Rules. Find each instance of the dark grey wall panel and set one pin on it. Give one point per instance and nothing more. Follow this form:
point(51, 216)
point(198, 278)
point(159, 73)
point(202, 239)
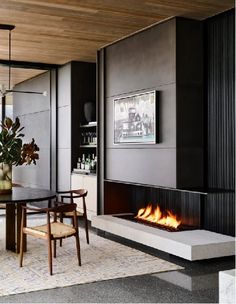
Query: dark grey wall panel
point(34, 113)
point(144, 60)
point(166, 119)
point(189, 168)
point(145, 166)
point(190, 144)
point(189, 52)
point(150, 60)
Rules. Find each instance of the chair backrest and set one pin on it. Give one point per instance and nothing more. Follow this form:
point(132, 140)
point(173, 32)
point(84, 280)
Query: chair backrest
point(72, 194)
point(61, 208)
point(80, 192)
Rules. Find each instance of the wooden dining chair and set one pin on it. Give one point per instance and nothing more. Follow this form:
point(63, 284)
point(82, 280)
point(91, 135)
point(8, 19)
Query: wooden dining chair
point(71, 195)
point(52, 230)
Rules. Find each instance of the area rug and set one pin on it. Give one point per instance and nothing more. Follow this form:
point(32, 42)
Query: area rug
point(102, 259)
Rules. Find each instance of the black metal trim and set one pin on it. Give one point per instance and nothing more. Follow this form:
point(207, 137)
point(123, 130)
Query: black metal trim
point(29, 65)
point(7, 27)
point(3, 107)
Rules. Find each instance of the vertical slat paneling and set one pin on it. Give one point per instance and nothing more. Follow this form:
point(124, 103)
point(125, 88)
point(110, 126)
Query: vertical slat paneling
point(220, 77)
point(219, 208)
point(220, 213)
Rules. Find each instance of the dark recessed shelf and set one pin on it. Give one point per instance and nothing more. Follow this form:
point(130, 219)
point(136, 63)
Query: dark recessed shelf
point(197, 191)
point(88, 146)
point(89, 125)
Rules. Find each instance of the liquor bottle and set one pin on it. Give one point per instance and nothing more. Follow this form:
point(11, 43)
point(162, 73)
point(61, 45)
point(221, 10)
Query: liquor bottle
point(83, 162)
point(88, 163)
point(79, 163)
point(95, 163)
point(92, 163)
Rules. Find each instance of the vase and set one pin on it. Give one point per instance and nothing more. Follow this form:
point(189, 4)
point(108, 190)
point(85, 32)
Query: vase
point(5, 178)
point(89, 111)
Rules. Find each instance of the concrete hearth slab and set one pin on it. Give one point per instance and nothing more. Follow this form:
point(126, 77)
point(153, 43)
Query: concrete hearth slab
point(191, 245)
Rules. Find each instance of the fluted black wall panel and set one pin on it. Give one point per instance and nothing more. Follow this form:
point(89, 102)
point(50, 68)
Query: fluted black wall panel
point(219, 213)
point(221, 107)
point(220, 86)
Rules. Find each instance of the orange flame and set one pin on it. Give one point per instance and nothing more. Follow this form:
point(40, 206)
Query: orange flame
point(155, 216)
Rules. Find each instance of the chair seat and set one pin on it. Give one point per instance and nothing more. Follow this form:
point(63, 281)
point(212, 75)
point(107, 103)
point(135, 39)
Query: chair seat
point(71, 214)
point(2, 206)
point(58, 230)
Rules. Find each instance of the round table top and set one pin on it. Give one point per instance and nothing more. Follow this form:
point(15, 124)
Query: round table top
point(24, 195)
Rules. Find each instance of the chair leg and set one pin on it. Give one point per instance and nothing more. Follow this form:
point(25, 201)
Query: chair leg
point(86, 229)
point(22, 237)
point(50, 256)
point(21, 247)
point(54, 248)
point(61, 220)
point(78, 248)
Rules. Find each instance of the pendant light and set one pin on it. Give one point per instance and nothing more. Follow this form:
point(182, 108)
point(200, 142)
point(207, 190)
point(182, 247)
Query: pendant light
point(3, 90)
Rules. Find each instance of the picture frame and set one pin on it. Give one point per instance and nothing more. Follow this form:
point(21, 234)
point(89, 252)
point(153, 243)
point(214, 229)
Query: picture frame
point(135, 119)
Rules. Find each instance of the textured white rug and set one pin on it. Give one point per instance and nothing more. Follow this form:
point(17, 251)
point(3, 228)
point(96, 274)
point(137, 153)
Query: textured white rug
point(101, 260)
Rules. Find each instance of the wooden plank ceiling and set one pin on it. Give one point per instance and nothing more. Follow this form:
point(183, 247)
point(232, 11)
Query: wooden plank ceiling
point(58, 31)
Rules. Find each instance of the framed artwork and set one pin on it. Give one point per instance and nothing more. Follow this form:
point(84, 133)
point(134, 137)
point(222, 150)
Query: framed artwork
point(135, 119)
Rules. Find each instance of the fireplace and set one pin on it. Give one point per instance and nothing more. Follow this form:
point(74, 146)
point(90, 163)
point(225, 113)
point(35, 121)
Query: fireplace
point(189, 240)
point(154, 216)
point(169, 209)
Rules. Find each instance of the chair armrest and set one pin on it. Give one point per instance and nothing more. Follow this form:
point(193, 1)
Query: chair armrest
point(57, 205)
point(36, 209)
point(69, 191)
point(74, 196)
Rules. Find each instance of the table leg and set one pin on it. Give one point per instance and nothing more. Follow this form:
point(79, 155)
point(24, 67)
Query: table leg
point(18, 220)
point(10, 227)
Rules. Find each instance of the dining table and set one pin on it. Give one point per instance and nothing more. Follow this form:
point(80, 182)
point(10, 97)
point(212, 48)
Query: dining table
point(14, 201)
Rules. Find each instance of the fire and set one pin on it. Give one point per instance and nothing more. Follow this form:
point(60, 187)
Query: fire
point(155, 216)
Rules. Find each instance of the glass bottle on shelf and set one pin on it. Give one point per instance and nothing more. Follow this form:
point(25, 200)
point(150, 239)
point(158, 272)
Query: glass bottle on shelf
point(93, 163)
point(82, 138)
point(90, 138)
point(83, 162)
point(95, 138)
point(79, 163)
point(88, 163)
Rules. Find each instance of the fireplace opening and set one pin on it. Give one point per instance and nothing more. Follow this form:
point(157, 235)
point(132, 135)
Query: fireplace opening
point(155, 217)
point(127, 201)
